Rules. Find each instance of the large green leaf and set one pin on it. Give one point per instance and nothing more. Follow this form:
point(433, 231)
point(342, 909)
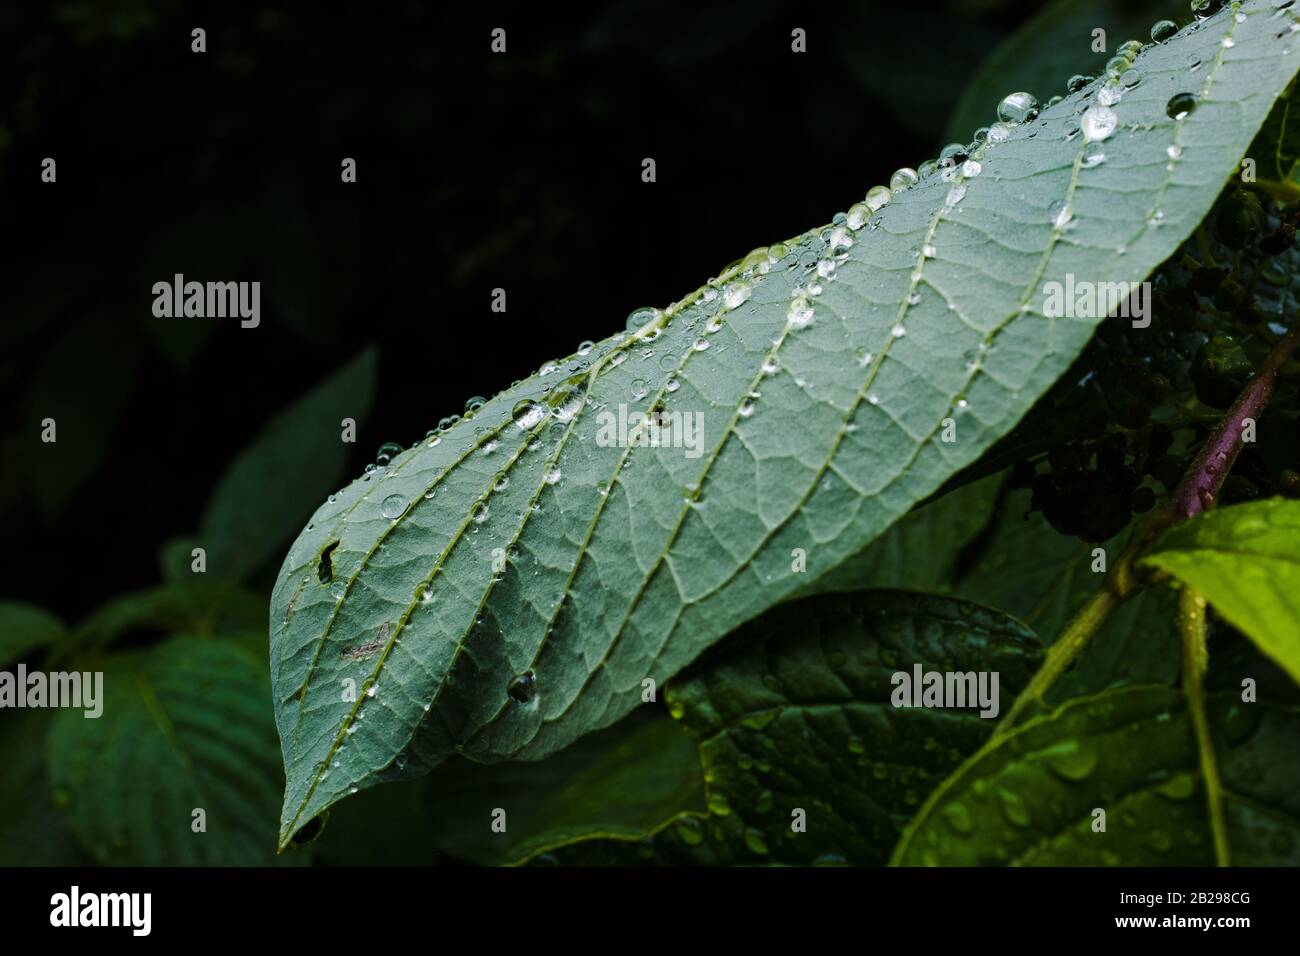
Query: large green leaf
point(623, 564)
point(25, 628)
point(795, 712)
point(185, 726)
point(1245, 560)
point(1131, 752)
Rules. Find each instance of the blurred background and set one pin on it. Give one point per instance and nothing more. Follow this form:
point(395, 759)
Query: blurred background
point(475, 171)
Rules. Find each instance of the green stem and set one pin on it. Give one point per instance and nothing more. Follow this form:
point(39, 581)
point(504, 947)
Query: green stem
point(1196, 657)
point(1061, 655)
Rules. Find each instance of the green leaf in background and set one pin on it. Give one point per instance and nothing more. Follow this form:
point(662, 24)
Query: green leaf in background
point(505, 589)
point(1245, 560)
point(794, 712)
point(1024, 567)
point(85, 405)
point(1048, 49)
point(919, 552)
point(200, 607)
point(1130, 752)
point(32, 830)
point(25, 628)
point(298, 457)
point(621, 783)
point(185, 726)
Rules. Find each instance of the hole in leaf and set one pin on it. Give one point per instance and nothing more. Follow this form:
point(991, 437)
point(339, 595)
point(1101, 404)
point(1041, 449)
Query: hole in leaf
point(325, 571)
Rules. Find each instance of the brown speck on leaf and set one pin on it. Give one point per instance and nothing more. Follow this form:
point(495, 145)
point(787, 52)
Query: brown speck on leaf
point(369, 648)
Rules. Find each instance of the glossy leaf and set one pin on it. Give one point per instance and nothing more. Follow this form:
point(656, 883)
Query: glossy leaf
point(529, 549)
point(1245, 560)
point(794, 713)
point(1035, 798)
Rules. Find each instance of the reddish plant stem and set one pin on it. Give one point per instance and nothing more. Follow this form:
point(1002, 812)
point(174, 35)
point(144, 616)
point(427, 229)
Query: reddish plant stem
point(1200, 486)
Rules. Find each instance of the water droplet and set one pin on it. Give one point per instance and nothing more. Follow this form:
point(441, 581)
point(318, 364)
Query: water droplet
point(1093, 155)
point(1073, 760)
point(800, 312)
point(1228, 43)
point(1110, 93)
point(639, 317)
point(523, 688)
point(736, 294)
point(585, 347)
point(387, 452)
point(474, 404)
point(528, 413)
point(700, 345)
point(479, 513)
point(903, 178)
point(1162, 30)
point(955, 195)
point(1060, 213)
point(970, 169)
point(393, 506)
point(898, 331)
point(639, 389)
point(746, 409)
point(1098, 122)
point(1174, 151)
point(770, 365)
point(502, 482)
point(1130, 78)
point(1180, 105)
point(878, 196)
point(958, 818)
point(1013, 807)
point(873, 399)
point(928, 250)
point(1000, 132)
point(672, 385)
point(857, 215)
point(1017, 108)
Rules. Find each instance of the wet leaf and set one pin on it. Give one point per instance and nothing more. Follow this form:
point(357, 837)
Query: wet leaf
point(506, 590)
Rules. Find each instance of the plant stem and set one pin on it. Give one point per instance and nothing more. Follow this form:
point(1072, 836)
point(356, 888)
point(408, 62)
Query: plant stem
point(1061, 655)
point(1200, 485)
point(1196, 657)
point(1196, 492)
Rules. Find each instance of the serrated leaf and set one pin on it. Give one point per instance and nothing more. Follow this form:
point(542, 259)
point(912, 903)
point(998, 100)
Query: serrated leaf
point(1131, 752)
point(1245, 560)
point(464, 566)
point(185, 727)
point(795, 712)
point(25, 628)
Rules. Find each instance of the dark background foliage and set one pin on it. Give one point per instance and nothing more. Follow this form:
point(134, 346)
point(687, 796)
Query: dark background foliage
point(475, 172)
